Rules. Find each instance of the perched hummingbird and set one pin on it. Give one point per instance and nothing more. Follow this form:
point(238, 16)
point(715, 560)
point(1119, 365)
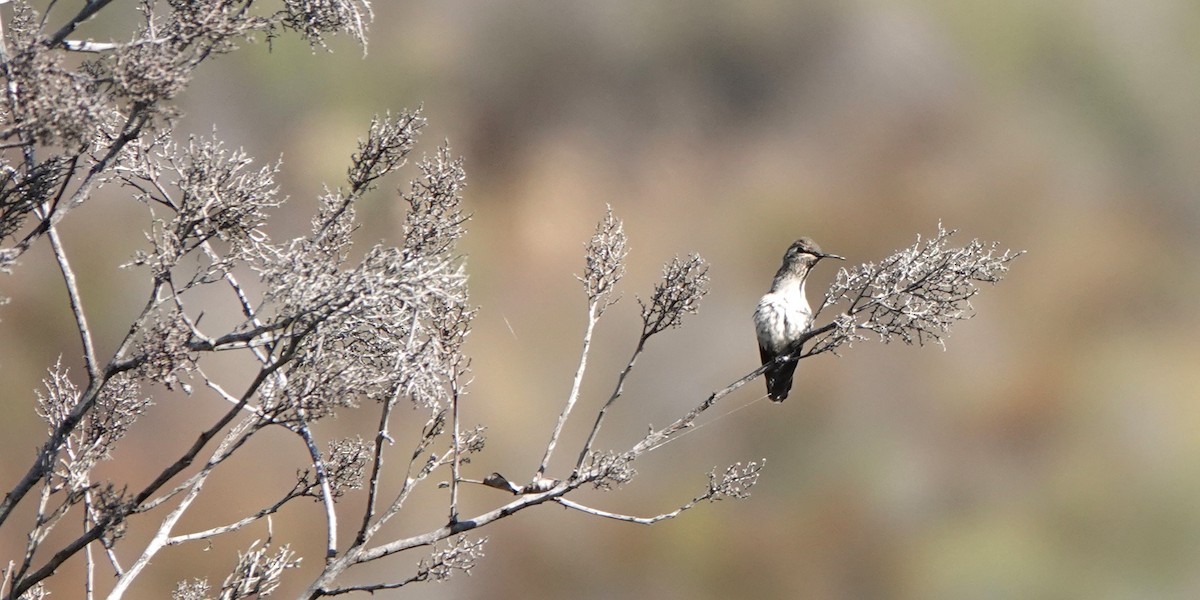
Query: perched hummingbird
point(783, 314)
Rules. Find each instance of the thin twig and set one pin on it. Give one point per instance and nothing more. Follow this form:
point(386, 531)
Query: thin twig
point(90, 8)
point(620, 517)
point(430, 432)
point(232, 441)
point(81, 324)
point(591, 439)
point(381, 436)
point(89, 46)
point(314, 453)
point(592, 317)
point(375, 587)
point(454, 442)
point(89, 571)
point(464, 525)
point(265, 512)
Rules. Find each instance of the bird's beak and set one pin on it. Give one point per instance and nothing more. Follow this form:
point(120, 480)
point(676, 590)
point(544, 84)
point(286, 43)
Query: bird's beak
point(833, 256)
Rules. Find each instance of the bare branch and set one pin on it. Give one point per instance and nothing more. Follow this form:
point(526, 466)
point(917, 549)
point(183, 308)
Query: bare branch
point(734, 482)
point(89, 46)
point(605, 258)
point(456, 449)
point(85, 333)
point(684, 284)
point(462, 555)
point(240, 523)
point(234, 439)
point(90, 8)
point(323, 484)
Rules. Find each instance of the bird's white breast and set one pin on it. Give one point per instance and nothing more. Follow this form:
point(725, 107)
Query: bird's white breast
point(781, 317)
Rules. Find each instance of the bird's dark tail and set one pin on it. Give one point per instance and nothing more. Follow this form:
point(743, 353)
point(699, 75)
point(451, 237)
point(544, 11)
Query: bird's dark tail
point(779, 381)
point(779, 377)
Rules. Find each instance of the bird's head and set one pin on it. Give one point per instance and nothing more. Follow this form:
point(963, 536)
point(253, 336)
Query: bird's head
point(805, 250)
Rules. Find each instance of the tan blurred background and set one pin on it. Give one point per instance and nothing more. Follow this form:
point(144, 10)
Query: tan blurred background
point(1053, 451)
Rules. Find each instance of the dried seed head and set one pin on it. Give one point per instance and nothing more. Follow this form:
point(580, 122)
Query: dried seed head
point(605, 258)
point(916, 294)
point(684, 284)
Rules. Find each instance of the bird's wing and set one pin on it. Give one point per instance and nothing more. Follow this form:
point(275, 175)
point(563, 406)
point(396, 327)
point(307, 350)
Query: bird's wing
point(766, 355)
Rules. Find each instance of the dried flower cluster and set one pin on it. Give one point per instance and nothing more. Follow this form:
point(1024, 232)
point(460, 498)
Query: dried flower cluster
point(68, 470)
point(22, 191)
point(257, 572)
point(735, 482)
point(460, 555)
point(610, 470)
point(605, 261)
point(48, 104)
point(685, 282)
point(209, 194)
point(915, 295)
point(345, 464)
point(315, 19)
point(191, 589)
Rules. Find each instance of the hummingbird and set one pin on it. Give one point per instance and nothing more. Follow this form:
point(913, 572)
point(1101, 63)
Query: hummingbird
point(783, 314)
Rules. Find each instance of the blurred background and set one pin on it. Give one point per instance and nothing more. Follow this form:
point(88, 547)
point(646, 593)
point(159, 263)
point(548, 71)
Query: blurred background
point(1053, 449)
